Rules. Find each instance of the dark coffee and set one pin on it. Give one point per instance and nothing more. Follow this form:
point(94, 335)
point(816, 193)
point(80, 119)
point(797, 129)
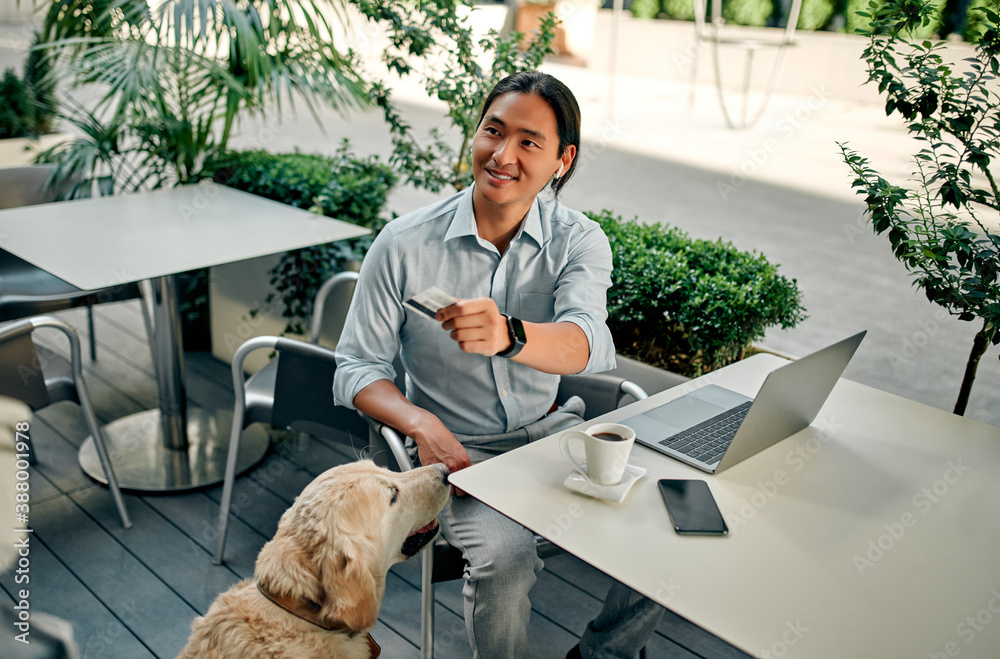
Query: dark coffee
point(609, 436)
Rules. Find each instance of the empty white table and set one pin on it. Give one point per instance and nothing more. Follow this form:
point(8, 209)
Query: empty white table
point(872, 533)
point(96, 243)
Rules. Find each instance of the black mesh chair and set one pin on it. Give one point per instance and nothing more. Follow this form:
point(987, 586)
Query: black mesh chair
point(42, 378)
point(27, 290)
point(441, 562)
point(293, 391)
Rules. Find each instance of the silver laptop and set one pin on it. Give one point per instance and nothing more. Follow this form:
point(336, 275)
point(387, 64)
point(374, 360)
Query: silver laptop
point(713, 428)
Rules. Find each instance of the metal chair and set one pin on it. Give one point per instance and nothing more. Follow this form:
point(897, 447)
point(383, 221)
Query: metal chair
point(40, 380)
point(293, 391)
point(27, 290)
point(714, 34)
point(442, 562)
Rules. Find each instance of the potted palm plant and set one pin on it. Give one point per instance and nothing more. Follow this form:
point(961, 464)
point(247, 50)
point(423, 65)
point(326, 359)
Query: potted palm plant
point(168, 84)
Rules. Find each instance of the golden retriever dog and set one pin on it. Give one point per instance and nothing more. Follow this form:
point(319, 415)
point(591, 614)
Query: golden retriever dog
point(318, 584)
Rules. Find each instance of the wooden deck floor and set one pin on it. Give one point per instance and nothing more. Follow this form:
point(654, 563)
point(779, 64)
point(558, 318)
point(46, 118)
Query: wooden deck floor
point(132, 594)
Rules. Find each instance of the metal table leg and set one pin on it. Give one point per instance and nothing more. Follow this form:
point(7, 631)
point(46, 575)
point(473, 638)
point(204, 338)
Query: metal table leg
point(173, 448)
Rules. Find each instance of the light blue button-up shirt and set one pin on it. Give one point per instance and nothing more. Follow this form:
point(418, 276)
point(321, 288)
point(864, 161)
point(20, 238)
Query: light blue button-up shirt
point(556, 269)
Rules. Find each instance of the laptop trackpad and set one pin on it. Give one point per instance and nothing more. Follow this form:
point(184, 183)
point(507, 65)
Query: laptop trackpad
point(685, 412)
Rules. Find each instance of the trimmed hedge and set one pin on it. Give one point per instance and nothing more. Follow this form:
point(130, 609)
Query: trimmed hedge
point(856, 22)
point(687, 305)
point(815, 15)
point(17, 110)
point(748, 12)
point(28, 101)
point(975, 22)
point(341, 186)
point(738, 12)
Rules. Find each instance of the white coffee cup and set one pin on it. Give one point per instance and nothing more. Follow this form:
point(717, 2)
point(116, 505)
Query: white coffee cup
point(607, 447)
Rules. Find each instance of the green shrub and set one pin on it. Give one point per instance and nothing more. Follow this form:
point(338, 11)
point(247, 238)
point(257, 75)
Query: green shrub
point(16, 110)
point(932, 27)
point(815, 14)
point(340, 186)
point(852, 21)
point(748, 12)
point(690, 306)
point(678, 10)
point(645, 8)
point(40, 81)
point(975, 21)
point(28, 101)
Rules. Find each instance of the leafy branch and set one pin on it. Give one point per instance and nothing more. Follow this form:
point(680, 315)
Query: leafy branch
point(454, 73)
point(936, 224)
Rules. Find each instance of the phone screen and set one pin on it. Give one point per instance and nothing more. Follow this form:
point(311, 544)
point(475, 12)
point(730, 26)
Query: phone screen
point(692, 507)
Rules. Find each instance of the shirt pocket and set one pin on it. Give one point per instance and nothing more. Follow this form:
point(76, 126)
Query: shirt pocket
point(536, 307)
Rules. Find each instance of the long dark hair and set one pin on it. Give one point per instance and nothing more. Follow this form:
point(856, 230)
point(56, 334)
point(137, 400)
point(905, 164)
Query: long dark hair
point(563, 105)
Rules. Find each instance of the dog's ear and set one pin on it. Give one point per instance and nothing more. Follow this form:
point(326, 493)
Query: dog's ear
point(349, 586)
point(285, 568)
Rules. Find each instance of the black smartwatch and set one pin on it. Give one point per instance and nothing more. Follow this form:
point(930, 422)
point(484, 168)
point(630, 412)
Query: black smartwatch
point(515, 331)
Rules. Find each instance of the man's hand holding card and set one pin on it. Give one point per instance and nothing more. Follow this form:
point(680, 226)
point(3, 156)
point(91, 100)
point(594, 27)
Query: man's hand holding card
point(477, 325)
point(430, 301)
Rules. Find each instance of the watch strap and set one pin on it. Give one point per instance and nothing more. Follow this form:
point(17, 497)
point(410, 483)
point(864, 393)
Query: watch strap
point(515, 331)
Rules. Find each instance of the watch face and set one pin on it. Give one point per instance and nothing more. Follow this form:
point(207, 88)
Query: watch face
point(515, 329)
point(518, 327)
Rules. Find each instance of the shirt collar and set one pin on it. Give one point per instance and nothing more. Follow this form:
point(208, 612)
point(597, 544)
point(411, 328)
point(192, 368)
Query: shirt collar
point(464, 221)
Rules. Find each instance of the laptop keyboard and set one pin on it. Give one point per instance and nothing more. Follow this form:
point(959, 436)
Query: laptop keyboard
point(708, 440)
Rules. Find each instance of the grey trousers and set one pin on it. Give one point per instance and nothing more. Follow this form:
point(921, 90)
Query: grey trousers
point(502, 564)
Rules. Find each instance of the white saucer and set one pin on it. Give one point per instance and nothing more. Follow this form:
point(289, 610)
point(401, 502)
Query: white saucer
point(616, 493)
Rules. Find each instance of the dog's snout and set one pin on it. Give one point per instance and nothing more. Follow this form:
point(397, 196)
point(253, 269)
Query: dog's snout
point(443, 470)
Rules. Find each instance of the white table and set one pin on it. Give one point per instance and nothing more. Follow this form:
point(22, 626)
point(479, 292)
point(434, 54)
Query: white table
point(875, 532)
point(103, 242)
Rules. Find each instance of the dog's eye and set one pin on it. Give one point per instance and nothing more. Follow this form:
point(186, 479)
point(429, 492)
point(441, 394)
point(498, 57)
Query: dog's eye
point(395, 494)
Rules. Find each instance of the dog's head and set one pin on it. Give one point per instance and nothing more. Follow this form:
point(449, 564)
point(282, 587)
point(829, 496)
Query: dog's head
point(343, 533)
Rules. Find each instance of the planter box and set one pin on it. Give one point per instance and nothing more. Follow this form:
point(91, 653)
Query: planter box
point(234, 290)
point(22, 151)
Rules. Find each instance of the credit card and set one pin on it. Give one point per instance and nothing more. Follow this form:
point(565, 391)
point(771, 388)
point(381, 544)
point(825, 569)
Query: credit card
point(430, 301)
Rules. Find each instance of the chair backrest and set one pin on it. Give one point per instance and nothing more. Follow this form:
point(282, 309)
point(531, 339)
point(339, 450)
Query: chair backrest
point(26, 186)
point(330, 308)
point(20, 369)
point(302, 397)
point(38, 378)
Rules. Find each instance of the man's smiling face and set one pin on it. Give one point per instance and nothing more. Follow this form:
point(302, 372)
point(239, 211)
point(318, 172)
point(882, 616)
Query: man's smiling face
point(515, 151)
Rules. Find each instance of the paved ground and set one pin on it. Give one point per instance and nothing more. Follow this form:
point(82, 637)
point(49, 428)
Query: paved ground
point(780, 188)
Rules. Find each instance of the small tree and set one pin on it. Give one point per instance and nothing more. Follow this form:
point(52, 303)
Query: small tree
point(935, 223)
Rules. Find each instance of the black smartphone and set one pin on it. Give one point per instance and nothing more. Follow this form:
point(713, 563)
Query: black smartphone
point(692, 507)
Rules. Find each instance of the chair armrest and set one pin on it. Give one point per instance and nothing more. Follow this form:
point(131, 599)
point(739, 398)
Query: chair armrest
point(601, 392)
point(384, 438)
